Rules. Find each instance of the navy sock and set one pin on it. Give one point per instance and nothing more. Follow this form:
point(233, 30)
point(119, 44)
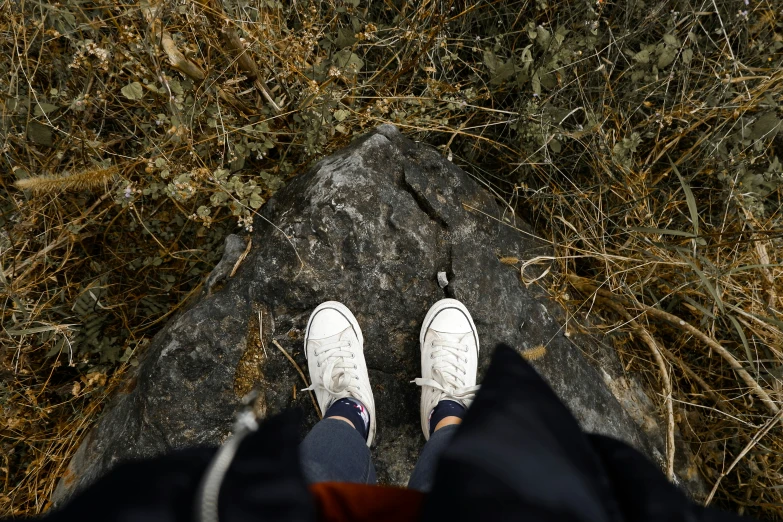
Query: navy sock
point(445, 409)
point(354, 411)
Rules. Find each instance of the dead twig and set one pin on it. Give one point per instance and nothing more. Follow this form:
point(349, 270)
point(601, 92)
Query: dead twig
point(756, 438)
point(665, 379)
point(693, 375)
point(590, 288)
point(166, 42)
point(261, 333)
point(241, 257)
point(216, 15)
point(180, 62)
point(301, 374)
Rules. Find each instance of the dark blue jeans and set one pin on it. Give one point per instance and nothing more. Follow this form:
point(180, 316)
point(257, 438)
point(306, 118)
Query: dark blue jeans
point(333, 451)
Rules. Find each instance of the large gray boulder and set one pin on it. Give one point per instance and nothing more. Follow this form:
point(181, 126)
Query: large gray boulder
point(371, 226)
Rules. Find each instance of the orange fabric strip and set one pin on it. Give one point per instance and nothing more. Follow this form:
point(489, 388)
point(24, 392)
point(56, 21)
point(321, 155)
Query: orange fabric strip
point(344, 502)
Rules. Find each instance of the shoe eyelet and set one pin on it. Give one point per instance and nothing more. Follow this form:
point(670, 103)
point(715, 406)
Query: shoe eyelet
point(353, 356)
point(355, 367)
point(319, 365)
point(432, 356)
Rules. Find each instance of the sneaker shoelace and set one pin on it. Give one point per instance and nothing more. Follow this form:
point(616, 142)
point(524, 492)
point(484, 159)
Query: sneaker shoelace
point(340, 377)
point(448, 373)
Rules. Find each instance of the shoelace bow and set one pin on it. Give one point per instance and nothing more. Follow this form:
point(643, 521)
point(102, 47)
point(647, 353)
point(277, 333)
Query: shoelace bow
point(340, 373)
point(447, 371)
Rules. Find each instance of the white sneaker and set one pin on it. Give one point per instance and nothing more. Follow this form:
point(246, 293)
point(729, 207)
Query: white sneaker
point(334, 350)
point(449, 358)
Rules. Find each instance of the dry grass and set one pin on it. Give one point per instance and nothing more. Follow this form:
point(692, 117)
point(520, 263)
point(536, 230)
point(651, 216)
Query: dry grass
point(87, 180)
point(642, 140)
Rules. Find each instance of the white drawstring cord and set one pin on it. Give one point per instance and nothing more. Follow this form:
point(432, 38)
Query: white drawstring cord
point(209, 489)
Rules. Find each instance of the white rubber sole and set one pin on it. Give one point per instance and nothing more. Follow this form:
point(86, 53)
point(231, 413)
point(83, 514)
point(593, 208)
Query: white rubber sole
point(440, 306)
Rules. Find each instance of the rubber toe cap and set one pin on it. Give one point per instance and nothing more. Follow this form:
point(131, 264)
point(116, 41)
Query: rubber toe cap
point(327, 323)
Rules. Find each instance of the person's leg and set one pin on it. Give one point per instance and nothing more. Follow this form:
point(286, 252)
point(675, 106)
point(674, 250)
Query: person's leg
point(424, 472)
point(337, 448)
point(334, 451)
point(449, 361)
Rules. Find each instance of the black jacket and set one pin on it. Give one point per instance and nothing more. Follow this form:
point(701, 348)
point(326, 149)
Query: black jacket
point(519, 455)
